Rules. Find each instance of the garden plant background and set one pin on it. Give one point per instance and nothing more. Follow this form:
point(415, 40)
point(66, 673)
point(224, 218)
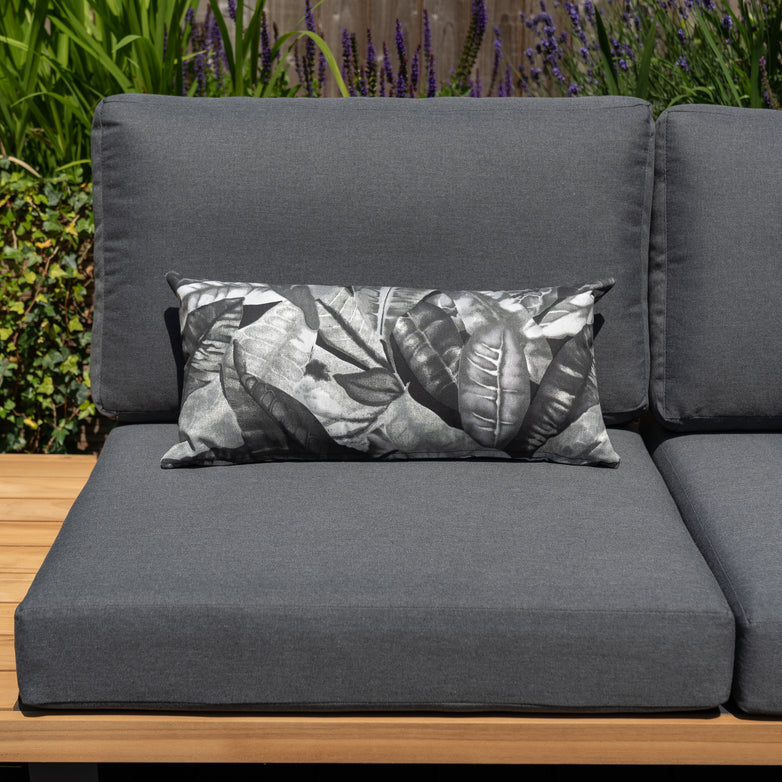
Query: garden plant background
point(58, 58)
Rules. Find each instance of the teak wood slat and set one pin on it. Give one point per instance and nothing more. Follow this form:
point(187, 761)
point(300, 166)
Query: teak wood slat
point(91, 737)
point(7, 618)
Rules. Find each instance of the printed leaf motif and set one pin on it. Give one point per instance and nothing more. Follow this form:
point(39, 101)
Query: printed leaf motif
point(345, 419)
point(277, 346)
point(205, 338)
point(382, 307)
point(410, 428)
point(198, 293)
point(476, 309)
point(305, 433)
point(446, 304)
point(584, 441)
point(431, 346)
point(559, 390)
point(302, 297)
point(481, 308)
point(375, 387)
point(206, 420)
point(261, 432)
point(344, 327)
point(494, 390)
point(568, 317)
point(538, 300)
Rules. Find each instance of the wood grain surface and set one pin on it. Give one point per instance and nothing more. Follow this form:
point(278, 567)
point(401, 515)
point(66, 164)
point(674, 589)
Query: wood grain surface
point(716, 737)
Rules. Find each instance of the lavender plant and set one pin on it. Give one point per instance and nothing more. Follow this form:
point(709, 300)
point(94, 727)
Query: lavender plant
point(665, 51)
point(415, 73)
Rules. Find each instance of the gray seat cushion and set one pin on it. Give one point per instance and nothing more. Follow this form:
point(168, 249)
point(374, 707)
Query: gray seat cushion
point(426, 585)
point(729, 490)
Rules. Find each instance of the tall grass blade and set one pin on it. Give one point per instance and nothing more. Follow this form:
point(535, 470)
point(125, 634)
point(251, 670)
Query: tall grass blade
point(729, 95)
point(606, 56)
point(642, 82)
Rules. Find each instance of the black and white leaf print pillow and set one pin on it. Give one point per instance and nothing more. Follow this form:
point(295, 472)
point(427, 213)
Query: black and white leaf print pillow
point(328, 372)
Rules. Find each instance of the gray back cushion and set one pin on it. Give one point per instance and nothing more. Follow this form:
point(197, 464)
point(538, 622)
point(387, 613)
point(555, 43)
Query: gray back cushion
point(716, 269)
point(444, 193)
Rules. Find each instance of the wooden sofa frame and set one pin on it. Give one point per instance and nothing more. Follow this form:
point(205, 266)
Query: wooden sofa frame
point(36, 492)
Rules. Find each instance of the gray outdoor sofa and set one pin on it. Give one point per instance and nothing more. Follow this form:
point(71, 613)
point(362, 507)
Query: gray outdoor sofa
point(439, 584)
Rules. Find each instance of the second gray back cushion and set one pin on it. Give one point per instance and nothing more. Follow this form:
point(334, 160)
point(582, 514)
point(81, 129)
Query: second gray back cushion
point(449, 193)
point(716, 269)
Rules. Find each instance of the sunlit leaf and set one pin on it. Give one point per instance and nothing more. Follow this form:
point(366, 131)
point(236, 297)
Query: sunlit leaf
point(431, 345)
point(494, 390)
point(551, 407)
point(343, 326)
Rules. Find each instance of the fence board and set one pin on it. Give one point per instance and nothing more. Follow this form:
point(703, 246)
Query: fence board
point(449, 21)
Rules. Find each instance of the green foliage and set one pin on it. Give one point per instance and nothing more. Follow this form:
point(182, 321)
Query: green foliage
point(664, 51)
point(58, 58)
point(45, 310)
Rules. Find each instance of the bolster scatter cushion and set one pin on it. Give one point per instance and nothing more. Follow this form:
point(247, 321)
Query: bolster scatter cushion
point(329, 372)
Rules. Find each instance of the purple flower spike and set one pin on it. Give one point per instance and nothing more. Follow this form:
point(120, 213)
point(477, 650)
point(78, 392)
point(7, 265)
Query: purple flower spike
point(683, 64)
point(495, 70)
point(727, 23)
point(371, 65)
point(322, 72)
point(387, 64)
point(189, 22)
point(682, 36)
point(431, 87)
point(427, 37)
point(415, 71)
point(347, 62)
point(401, 50)
point(505, 86)
point(232, 9)
point(476, 87)
point(214, 46)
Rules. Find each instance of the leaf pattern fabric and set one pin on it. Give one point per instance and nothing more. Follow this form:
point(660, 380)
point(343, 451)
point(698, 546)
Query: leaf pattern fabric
point(345, 372)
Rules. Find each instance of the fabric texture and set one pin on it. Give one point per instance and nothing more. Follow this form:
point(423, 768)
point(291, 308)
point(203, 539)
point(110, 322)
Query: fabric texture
point(365, 585)
point(448, 193)
point(328, 372)
point(729, 490)
point(715, 282)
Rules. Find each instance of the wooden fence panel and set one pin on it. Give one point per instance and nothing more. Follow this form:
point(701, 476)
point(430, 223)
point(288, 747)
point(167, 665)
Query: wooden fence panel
point(449, 21)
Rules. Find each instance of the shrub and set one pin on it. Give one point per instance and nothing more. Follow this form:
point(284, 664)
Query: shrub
point(415, 74)
point(45, 310)
point(58, 58)
point(665, 51)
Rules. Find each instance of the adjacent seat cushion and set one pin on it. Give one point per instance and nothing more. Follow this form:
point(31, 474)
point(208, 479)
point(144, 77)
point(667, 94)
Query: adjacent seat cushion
point(715, 283)
point(428, 585)
point(729, 490)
